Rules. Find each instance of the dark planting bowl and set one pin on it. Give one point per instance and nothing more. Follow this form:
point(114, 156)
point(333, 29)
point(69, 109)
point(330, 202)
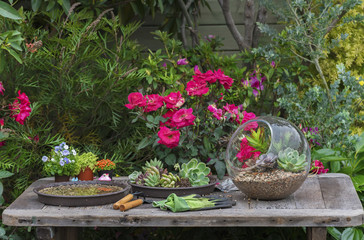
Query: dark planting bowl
point(161, 192)
point(91, 200)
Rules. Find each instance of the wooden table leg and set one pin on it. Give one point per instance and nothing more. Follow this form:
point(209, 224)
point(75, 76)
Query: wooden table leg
point(316, 233)
point(69, 233)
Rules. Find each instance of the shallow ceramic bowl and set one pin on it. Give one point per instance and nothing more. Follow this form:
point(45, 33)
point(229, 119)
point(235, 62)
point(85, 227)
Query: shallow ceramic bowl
point(76, 201)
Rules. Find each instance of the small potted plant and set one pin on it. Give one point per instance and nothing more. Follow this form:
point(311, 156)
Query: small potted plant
point(105, 166)
point(85, 165)
point(61, 162)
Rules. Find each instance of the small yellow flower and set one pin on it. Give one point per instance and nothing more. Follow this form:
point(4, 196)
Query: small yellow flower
point(361, 83)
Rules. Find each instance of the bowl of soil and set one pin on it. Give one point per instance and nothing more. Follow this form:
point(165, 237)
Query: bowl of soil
point(268, 158)
point(85, 193)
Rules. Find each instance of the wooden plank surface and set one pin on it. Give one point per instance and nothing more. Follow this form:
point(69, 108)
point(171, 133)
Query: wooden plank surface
point(300, 209)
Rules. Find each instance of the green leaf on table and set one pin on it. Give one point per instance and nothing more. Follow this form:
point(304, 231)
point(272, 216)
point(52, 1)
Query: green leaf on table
point(8, 11)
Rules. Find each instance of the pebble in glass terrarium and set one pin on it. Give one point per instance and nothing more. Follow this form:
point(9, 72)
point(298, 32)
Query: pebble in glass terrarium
point(268, 158)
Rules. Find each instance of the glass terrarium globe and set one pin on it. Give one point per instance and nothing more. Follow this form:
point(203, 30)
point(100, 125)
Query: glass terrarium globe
point(268, 158)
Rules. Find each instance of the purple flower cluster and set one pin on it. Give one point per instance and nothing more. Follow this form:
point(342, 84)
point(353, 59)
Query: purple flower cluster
point(312, 134)
point(256, 82)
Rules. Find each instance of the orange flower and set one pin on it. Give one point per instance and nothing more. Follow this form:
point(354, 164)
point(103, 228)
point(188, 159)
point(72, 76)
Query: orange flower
point(105, 164)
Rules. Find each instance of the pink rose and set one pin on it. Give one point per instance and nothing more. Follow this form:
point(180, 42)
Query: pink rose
point(196, 88)
point(224, 80)
point(136, 99)
point(183, 118)
point(246, 152)
point(168, 137)
point(208, 76)
point(174, 100)
point(154, 101)
point(247, 117)
point(20, 111)
point(318, 168)
point(2, 89)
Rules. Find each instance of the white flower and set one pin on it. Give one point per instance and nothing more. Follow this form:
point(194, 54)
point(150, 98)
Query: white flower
point(65, 147)
point(52, 160)
point(73, 152)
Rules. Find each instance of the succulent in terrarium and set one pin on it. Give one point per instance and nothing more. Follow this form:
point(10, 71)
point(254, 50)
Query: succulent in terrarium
point(266, 161)
point(169, 180)
point(290, 160)
point(195, 171)
point(258, 140)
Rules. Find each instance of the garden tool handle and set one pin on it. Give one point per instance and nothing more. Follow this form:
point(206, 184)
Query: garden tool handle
point(132, 204)
point(125, 199)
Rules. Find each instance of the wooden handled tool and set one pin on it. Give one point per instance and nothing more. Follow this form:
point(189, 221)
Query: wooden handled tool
point(125, 199)
point(132, 204)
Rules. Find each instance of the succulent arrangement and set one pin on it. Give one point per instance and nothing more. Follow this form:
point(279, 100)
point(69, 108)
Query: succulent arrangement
point(154, 174)
point(291, 160)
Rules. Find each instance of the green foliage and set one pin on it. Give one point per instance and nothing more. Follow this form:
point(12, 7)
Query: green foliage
point(195, 171)
point(311, 109)
point(258, 140)
point(85, 160)
point(349, 51)
point(290, 160)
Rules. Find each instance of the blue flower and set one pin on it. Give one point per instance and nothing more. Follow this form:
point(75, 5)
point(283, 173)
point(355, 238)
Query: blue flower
point(61, 162)
point(44, 158)
point(62, 144)
point(65, 152)
point(66, 160)
point(57, 148)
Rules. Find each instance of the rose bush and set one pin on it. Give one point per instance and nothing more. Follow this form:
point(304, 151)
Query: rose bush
point(195, 121)
point(19, 110)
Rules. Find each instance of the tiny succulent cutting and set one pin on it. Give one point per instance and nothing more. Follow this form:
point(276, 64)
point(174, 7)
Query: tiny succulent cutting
point(290, 160)
point(267, 161)
point(192, 173)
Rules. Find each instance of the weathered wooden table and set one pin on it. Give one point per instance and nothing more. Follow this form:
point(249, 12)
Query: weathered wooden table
point(323, 200)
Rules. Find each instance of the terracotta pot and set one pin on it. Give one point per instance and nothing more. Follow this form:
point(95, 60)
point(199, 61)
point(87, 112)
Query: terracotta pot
point(86, 175)
point(61, 178)
point(110, 172)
